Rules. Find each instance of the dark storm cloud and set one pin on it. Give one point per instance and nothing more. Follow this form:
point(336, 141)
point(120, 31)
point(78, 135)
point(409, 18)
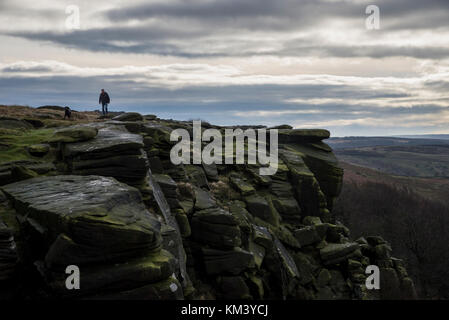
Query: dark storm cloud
point(293, 48)
point(152, 41)
point(440, 86)
point(20, 69)
point(134, 40)
point(291, 13)
point(191, 28)
point(239, 12)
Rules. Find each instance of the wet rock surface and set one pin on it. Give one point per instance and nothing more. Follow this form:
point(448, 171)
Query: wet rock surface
point(97, 224)
point(114, 152)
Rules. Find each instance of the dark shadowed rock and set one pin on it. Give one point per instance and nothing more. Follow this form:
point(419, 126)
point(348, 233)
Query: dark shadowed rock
point(216, 227)
point(168, 289)
point(307, 236)
point(227, 262)
point(335, 253)
point(234, 288)
point(302, 135)
point(8, 252)
point(38, 150)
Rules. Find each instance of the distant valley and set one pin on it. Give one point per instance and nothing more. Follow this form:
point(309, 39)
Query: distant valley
point(411, 157)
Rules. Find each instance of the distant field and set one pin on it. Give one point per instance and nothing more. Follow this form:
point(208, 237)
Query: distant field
point(430, 188)
point(359, 142)
point(420, 164)
point(425, 158)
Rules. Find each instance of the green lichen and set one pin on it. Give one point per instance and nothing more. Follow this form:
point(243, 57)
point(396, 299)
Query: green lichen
point(14, 143)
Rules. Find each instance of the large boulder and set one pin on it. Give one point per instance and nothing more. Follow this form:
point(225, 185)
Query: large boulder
point(114, 152)
point(216, 227)
point(97, 224)
point(96, 218)
point(307, 236)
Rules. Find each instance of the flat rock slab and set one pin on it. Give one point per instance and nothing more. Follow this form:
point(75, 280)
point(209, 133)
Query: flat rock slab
point(109, 140)
point(334, 253)
point(38, 150)
point(129, 116)
point(216, 227)
point(302, 135)
point(95, 212)
point(114, 152)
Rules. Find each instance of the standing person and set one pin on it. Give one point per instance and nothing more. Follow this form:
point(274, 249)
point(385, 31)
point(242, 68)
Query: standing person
point(67, 112)
point(104, 100)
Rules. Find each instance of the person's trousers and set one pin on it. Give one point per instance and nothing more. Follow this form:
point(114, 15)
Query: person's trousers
point(105, 108)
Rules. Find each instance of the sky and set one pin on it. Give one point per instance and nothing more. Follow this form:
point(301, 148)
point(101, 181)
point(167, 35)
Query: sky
point(307, 63)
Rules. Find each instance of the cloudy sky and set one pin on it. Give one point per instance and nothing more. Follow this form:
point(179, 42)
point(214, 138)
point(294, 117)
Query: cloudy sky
point(308, 63)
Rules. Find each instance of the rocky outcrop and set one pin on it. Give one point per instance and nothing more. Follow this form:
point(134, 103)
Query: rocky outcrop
point(194, 231)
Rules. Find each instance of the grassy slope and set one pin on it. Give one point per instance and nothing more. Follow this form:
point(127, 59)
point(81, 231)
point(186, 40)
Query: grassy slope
point(14, 142)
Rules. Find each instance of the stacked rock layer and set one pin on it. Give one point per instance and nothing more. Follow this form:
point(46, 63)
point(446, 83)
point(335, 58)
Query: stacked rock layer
point(139, 226)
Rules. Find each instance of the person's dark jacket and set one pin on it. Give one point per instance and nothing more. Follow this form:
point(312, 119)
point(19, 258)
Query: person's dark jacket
point(104, 98)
